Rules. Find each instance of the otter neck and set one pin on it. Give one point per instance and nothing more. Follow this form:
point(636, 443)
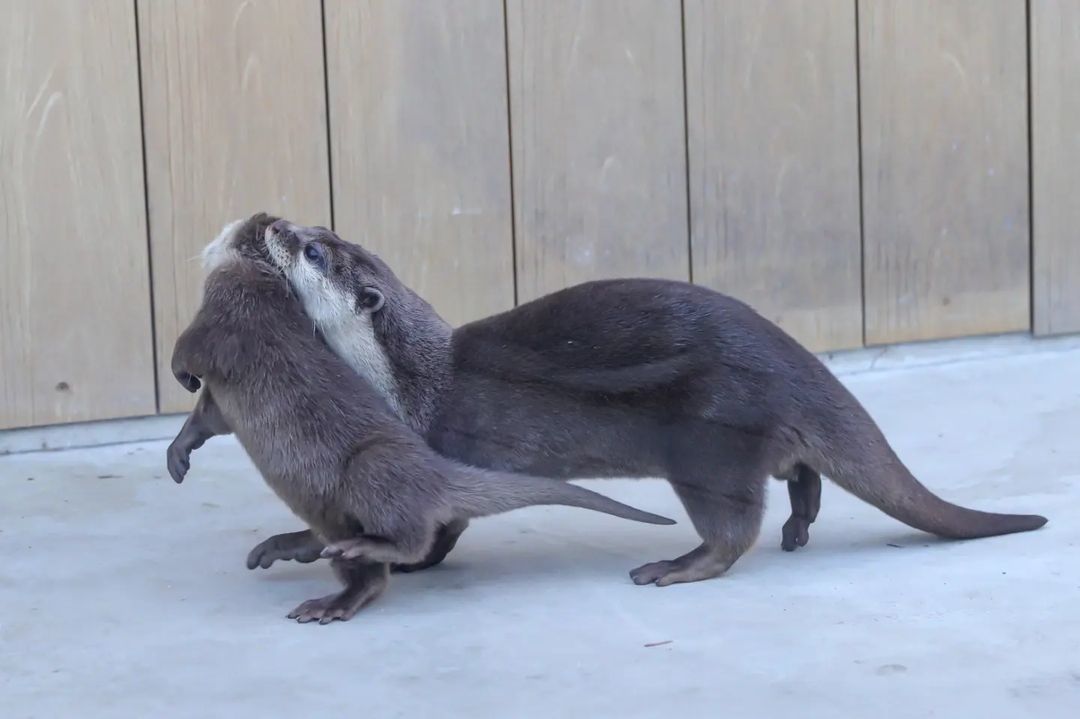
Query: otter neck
point(418, 349)
point(354, 340)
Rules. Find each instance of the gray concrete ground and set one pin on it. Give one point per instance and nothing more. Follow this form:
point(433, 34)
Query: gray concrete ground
point(124, 595)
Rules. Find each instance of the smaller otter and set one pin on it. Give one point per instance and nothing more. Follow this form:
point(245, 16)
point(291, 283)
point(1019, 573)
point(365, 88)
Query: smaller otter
point(324, 440)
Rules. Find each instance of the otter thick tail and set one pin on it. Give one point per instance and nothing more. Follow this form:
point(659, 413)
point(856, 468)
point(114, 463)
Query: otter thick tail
point(871, 471)
point(480, 492)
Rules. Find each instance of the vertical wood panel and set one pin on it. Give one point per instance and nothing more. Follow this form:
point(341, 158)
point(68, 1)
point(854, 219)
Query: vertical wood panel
point(774, 161)
point(74, 297)
point(235, 122)
point(599, 155)
point(945, 168)
point(1055, 76)
point(421, 162)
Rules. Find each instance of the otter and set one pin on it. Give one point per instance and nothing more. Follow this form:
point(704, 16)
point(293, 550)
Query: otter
point(323, 438)
point(632, 377)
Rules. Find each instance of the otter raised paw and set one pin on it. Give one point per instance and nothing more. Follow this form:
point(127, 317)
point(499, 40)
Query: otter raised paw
point(303, 547)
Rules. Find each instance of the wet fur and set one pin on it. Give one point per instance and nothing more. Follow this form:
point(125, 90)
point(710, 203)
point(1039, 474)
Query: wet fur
point(640, 378)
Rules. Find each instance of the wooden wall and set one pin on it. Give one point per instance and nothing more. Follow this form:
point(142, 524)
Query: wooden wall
point(234, 115)
point(1055, 138)
point(420, 145)
point(75, 323)
point(860, 171)
point(945, 168)
point(772, 108)
point(599, 158)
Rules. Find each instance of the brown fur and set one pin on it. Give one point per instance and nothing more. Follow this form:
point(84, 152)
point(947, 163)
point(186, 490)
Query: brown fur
point(324, 440)
point(630, 377)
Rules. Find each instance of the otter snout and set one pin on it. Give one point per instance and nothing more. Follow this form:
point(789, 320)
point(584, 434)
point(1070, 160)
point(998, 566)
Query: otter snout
point(281, 242)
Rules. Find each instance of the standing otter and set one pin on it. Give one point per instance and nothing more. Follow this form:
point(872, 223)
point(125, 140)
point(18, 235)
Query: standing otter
point(324, 440)
point(628, 377)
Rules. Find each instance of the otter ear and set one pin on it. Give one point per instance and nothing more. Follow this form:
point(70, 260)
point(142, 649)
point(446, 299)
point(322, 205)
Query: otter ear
point(370, 300)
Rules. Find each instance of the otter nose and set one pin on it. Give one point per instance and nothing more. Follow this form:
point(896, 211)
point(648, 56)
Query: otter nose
point(277, 227)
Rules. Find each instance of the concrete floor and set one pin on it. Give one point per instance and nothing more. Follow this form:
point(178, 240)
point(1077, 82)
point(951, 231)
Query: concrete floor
point(124, 595)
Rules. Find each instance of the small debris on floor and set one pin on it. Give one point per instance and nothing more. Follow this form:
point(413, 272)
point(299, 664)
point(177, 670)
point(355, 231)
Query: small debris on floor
point(659, 644)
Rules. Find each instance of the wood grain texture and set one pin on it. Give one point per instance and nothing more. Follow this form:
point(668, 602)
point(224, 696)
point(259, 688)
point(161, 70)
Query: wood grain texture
point(945, 168)
point(774, 161)
point(1055, 115)
point(75, 332)
point(421, 152)
point(235, 121)
point(599, 154)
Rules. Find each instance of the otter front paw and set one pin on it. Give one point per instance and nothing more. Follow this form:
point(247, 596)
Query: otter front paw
point(178, 460)
point(303, 547)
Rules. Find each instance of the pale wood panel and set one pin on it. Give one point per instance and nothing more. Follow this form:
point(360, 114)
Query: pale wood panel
point(420, 145)
point(1055, 87)
point(235, 122)
point(774, 161)
point(75, 333)
point(945, 168)
point(599, 154)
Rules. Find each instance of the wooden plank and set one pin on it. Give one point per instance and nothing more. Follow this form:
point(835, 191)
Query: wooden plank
point(235, 121)
point(418, 123)
point(945, 168)
point(1055, 90)
point(599, 154)
point(774, 161)
point(75, 334)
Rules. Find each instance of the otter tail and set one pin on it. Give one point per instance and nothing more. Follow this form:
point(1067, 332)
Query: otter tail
point(862, 462)
point(480, 492)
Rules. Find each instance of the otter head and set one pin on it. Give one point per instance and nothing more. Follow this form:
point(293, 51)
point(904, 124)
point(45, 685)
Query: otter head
point(240, 239)
point(344, 291)
point(333, 283)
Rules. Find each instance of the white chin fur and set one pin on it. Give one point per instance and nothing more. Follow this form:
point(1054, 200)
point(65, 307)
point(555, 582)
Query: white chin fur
point(349, 333)
point(220, 249)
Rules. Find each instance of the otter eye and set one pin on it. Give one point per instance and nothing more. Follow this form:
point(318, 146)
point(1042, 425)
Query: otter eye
point(313, 253)
point(370, 300)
